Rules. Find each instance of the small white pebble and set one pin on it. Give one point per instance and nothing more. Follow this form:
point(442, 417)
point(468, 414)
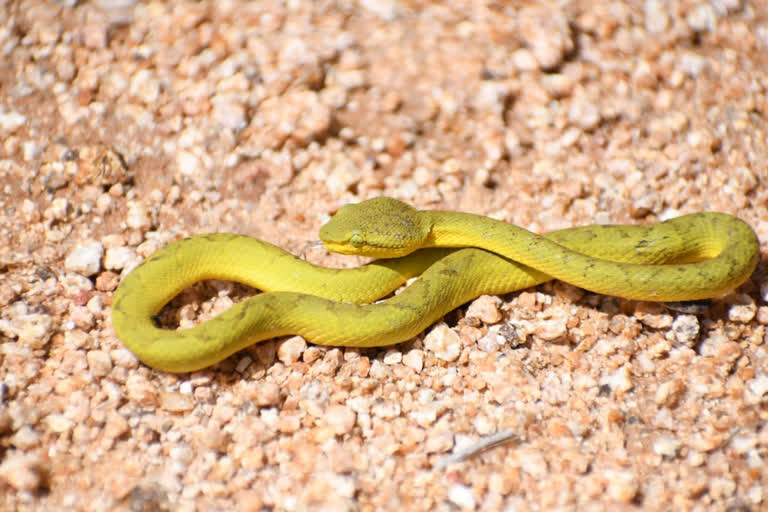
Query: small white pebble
point(22, 471)
point(462, 496)
point(387, 10)
point(105, 204)
point(58, 210)
point(742, 308)
point(670, 392)
point(743, 444)
point(759, 386)
point(228, 112)
point(653, 315)
point(124, 358)
point(754, 460)
point(533, 463)
point(444, 342)
point(181, 452)
point(215, 438)
point(81, 317)
point(764, 291)
point(552, 328)
point(311, 354)
point(95, 304)
point(118, 258)
point(25, 438)
point(721, 488)
point(423, 176)
point(138, 216)
point(145, 86)
point(584, 114)
point(331, 361)
point(622, 485)
point(524, 60)
point(267, 394)
point(115, 426)
point(147, 248)
point(484, 425)
point(140, 390)
point(685, 329)
point(702, 17)
point(656, 18)
point(546, 32)
point(486, 309)
point(59, 423)
point(343, 485)
point(756, 494)
point(386, 409)
point(99, 362)
point(176, 402)
point(393, 356)
point(762, 315)
point(414, 359)
point(290, 350)
point(439, 442)
point(492, 96)
point(11, 121)
point(30, 210)
point(450, 377)
point(492, 340)
point(344, 175)
point(85, 259)
point(75, 338)
point(379, 370)
point(426, 415)
point(340, 418)
point(666, 446)
point(33, 330)
point(619, 381)
point(188, 163)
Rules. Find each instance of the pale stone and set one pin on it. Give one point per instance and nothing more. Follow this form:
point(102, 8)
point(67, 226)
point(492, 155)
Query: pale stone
point(444, 342)
point(85, 259)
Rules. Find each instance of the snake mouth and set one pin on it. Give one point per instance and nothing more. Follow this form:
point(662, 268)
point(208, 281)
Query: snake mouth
point(367, 249)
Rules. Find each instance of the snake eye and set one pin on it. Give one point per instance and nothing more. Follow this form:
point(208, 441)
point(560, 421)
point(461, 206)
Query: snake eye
point(356, 240)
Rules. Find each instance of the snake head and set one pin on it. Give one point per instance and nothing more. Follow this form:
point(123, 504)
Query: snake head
point(381, 227)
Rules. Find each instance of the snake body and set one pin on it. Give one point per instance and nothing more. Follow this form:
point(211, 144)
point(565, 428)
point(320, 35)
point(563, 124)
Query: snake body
point(690, 257)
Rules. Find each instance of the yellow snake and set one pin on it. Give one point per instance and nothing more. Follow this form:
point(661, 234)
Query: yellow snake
point(691, 257)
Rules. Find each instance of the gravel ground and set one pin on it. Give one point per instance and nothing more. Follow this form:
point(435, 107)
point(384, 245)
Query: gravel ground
point(126, 125)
